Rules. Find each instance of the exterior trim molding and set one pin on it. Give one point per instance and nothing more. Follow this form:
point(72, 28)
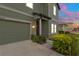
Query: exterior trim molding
point(13, 19)
point(15, 10)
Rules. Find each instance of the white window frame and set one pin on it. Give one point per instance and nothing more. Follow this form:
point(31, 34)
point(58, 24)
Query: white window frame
point(30, 5)
point(54, 10)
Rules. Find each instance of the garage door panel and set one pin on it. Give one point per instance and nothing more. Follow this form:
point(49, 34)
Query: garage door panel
point(13, 31)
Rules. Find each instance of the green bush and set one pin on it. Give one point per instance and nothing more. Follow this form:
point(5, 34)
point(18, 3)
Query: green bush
point(34, 38)
point(42, 39)
point(75, 44)
point(38, 39)
point(62, 43)
point(67, 44)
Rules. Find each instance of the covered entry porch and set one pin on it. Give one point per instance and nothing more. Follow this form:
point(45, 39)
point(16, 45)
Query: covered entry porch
point(42, 26)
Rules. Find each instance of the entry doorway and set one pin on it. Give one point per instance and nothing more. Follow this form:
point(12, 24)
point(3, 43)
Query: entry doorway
point(44, 27)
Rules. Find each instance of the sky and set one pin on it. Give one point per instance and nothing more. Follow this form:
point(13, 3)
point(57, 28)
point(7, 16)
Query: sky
point(69, 12)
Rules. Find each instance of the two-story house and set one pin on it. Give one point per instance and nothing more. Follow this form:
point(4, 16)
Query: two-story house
point(18, 21)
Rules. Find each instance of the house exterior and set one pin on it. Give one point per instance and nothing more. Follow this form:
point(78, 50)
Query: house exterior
point(18, 21)
point(53, 10)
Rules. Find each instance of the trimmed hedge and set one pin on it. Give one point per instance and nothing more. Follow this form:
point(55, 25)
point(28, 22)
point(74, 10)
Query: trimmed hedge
point(67, 44)
point(75, 45)
point(38, 39)
point(62, 43)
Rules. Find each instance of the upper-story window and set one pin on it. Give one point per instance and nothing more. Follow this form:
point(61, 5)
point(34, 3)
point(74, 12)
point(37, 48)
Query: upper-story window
point(30, 5)
point(54, 10)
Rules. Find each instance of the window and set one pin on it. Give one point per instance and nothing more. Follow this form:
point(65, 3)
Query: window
point(55, 28)
point(52, 27)
point(30, 5)
point(54, 10)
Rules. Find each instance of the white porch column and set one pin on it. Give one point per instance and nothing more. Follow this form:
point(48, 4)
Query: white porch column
point(40, 26)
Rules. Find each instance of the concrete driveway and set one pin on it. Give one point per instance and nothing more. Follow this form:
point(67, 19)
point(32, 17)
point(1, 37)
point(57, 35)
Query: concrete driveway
point(26, 48)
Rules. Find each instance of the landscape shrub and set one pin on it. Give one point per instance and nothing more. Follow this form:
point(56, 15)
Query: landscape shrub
point(38, 39)
point(62, 43)
point(61, 32)
point(34, 38)
point(75, 45)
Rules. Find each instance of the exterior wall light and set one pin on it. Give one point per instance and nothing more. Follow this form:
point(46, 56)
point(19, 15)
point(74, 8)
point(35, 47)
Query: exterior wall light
point(33, 26)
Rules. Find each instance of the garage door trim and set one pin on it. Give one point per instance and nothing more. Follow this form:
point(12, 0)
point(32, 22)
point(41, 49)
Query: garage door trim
point(13, 19)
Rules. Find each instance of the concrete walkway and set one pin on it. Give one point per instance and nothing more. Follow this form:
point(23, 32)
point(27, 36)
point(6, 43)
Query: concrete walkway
point(26, 48)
